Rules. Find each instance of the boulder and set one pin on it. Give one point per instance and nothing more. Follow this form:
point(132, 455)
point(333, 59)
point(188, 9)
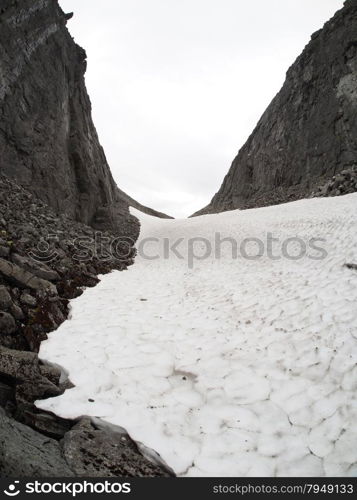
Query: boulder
point(93, 452)
point(51, 372)
point(36, 388)
point(45, 422)
point(5, 298)
point(17, 312)
point(26, 453)
point(38, 269)
point(54, 152)
point(24, 369)
point(24, 279)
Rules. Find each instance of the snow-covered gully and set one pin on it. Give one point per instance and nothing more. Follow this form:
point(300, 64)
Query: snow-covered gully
point(229, 366)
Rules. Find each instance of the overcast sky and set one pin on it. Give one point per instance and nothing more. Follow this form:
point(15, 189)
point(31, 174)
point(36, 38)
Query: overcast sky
point(177, 86)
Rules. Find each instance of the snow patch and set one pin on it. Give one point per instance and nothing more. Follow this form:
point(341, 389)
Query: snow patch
point(233, 367)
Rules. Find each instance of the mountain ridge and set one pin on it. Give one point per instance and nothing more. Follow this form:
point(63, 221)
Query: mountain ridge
point(308, 132)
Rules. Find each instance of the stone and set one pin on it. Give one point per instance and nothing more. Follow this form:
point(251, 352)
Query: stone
point(92, 452)
point(23, 368)
point(7, 324)
point(26, 453)
point(28, 300)
point(57, 156)
point(344, 183)
point(24, 279)
point(19, 365)
point(46, 423)
point(36, 388)
point(4, 251)
point(38, 269)
point(51, 372)
point(351, 266)
point(5, 298)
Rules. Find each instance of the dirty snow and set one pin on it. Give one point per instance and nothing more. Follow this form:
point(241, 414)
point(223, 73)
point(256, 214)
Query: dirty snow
point(233, 367)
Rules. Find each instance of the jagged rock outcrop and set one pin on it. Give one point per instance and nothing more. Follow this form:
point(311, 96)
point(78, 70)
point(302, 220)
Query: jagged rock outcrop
point(48, 141)
point(308, 134)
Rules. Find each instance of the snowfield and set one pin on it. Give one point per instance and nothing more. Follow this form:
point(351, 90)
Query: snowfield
point(224, 366)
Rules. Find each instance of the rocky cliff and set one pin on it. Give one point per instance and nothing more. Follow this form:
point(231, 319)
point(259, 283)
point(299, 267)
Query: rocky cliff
point(48, 142)
point(308, 134)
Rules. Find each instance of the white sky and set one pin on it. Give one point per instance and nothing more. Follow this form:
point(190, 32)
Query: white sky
point(177, 86)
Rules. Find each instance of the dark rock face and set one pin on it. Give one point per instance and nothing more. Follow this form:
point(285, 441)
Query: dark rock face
point(48, 142)
point(309, 131)
point(64, 447)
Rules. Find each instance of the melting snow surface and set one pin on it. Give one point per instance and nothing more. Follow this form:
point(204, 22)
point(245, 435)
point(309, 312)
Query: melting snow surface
point(234, 367)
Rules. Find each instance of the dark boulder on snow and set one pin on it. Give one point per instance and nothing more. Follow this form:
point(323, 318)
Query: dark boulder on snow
point(114, 452)
point(26, 453)
point(61, 216)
